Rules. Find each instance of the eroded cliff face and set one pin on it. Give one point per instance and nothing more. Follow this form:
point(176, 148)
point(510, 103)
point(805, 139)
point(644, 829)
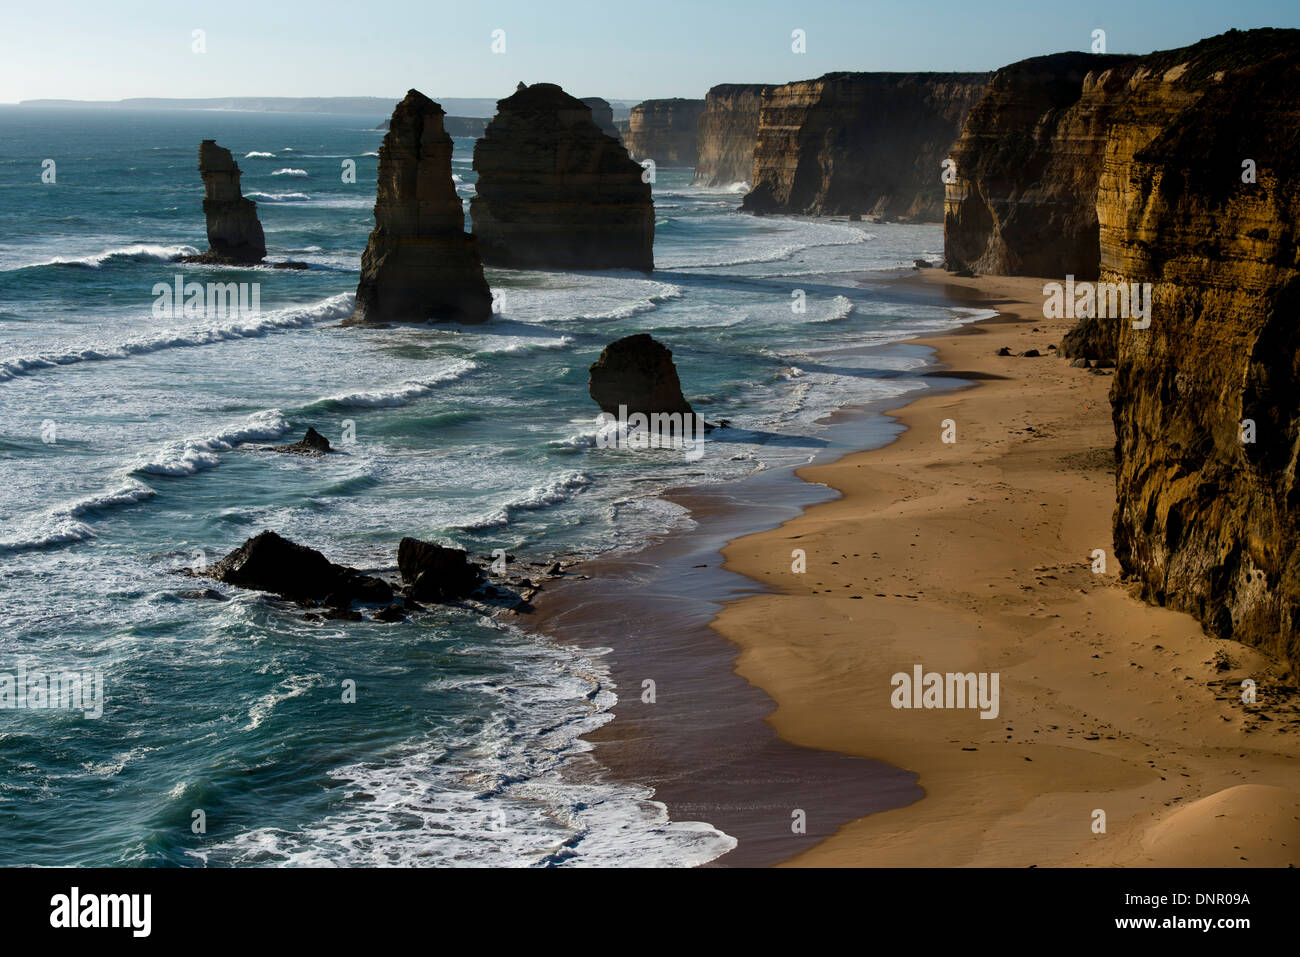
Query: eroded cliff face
point(1026, 167)
point(419, 263)
point(726, 133)
point(867, 143)
point(235, 235)
point(1206, 400)
point(553, 191)
point(664, 131)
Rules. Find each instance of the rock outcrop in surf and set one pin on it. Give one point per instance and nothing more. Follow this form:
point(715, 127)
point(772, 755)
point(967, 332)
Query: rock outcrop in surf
point(235, 235)
point(419, 263)
point(553, 191)
point(637, 373)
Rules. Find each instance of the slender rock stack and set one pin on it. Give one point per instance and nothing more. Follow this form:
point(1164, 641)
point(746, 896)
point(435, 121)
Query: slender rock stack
point(553, 191)
point(234, 234)
point(419, 264)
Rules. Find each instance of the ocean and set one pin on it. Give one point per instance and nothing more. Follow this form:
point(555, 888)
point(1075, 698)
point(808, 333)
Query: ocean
point(130, 447)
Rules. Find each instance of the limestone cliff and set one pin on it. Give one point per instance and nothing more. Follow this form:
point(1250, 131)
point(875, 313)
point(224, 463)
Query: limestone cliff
point(726, 133)
point(553, 191)
point(1208, 513)
point(234, 234)
point(868, 143)
point(1027, 165)
point(664, 131)
point(419, 263)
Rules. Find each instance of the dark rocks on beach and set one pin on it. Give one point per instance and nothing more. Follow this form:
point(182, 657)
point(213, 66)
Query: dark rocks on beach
point(267, 562)
point(637, 372)
point(234, 234)
point(922, 264)
point(419, 263)
point(555, 192)
point(1004, 351)
point(1030, 354)
point(312, 444)
point(435, 572)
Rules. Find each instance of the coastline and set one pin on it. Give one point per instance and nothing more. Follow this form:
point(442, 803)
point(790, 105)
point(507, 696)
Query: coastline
point(993, 546)
point(704, 745)
point(976, 556)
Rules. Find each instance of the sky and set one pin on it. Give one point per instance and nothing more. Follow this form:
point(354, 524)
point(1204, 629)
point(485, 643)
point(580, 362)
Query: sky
point(619, 49)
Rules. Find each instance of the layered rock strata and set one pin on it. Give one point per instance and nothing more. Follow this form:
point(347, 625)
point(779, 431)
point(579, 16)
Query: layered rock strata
point(664, 131)
point(419, 263)
point(553, 191)
point(859, 143)
point(726, 133)
point(235, 235)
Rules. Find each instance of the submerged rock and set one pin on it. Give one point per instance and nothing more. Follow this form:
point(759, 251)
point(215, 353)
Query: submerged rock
point(637, 372)
point(435, 572)
point(267, 562)
point(312, 444)
point(419, 263)
point(555, 192)
point(234, 234)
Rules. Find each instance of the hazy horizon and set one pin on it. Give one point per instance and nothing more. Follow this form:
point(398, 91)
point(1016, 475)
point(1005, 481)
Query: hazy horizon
point(146, 49)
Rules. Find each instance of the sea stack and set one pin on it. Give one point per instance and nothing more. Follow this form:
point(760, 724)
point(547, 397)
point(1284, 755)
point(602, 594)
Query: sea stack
point(602, 114)
point(637, 373)
point(234, 235)
point(419, 264)
point(555, 192)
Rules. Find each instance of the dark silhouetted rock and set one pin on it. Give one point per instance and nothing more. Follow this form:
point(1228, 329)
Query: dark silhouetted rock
point(419, 263)
point(554, 192)
point(312, 444)
point(270, 563)
point(602, 114)
point(436, 573)
point(637, 372)
point(234, 234)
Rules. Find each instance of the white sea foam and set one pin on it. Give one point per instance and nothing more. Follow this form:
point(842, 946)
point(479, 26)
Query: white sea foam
point(194, 454)
point(285, 197)
point(407, 391)
point(522, 790)
point(841, 308)
point(290, 171)
point(139, 252)
point(293, 317)
point(63, 525)
point(292, 687)
point(255, 154)
point(557, 490)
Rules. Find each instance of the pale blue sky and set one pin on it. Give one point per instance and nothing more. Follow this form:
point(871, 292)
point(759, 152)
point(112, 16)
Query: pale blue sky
point(110, 49)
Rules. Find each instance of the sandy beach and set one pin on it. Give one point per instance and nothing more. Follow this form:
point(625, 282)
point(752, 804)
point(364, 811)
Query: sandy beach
point(978, 556)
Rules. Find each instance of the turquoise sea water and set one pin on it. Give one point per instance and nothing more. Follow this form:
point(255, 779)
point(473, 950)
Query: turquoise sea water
point(128, 449)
